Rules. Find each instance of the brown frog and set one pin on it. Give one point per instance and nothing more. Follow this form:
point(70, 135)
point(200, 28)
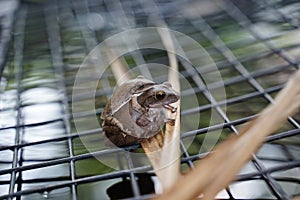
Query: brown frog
point(135, 111)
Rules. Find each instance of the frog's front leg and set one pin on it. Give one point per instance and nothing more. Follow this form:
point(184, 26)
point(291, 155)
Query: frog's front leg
point(113, 132)
point(139, 113)
point(112, 125)
point(143, 120)
point(171, 122)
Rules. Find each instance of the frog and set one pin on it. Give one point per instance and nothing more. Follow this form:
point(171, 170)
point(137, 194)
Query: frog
point(135, 111)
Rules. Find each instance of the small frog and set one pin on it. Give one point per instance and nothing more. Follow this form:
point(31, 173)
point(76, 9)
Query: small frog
point(134, 112)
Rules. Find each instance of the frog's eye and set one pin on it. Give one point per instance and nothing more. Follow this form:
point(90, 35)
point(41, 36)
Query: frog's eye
point(160, 95)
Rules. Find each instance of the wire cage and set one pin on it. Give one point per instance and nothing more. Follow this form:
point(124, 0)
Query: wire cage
point(253, 45)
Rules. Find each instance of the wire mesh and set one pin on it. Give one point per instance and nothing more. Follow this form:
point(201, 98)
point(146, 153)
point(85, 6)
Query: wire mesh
point(254, 44)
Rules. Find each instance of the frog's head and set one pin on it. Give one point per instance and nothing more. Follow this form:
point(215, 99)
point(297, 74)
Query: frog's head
point(159, 95)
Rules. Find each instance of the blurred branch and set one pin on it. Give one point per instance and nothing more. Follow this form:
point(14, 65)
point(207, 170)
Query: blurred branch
point(170, 155)
point(297, 197)
point(218, 170)
point(119, 67)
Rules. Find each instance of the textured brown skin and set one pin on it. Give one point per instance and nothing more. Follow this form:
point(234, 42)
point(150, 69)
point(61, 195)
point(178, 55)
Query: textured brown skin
point(128, 119)
point(112, 131)
point(116, 135)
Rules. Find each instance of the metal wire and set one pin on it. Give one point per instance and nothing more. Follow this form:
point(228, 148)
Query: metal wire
point(56, 36)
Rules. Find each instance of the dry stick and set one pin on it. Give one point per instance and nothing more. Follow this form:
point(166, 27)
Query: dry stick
point(152, 148)
point(166, 159)
point(170, 155)
point(217, 170)
point(119, 67)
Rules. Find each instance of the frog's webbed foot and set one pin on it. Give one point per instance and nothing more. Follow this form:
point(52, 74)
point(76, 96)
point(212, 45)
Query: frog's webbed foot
point(171, 122)
point(171, 108)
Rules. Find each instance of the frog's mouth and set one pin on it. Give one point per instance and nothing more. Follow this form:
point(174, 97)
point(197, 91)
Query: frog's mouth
point(166, 106)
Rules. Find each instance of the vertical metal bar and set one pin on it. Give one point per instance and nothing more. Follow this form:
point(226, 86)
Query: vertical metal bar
point(134, 185)
point(82, 10)
point(18, 64)
point(55, 44)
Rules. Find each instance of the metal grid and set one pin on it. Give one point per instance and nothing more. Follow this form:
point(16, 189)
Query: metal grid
point(41, 155)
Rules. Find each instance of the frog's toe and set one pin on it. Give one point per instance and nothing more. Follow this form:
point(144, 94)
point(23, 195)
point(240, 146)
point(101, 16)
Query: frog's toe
point(171, 122)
